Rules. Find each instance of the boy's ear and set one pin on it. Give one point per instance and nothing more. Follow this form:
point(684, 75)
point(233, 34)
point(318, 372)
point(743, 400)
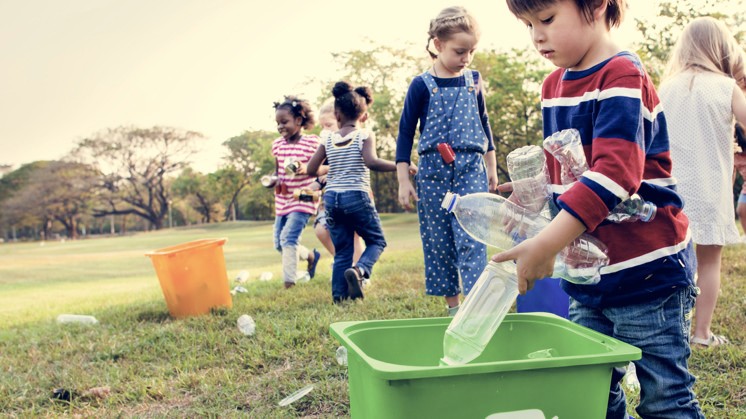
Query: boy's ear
point(364, 117)
point(600, 11)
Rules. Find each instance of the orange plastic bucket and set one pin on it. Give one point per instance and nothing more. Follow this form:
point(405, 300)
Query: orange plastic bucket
point(192, 276)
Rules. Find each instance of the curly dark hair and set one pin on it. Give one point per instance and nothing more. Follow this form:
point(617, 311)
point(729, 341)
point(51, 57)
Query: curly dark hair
point(299, 108)
point(351, 102)
point(740, 136)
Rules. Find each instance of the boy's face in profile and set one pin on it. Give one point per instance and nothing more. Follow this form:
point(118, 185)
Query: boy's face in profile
point(562, 35)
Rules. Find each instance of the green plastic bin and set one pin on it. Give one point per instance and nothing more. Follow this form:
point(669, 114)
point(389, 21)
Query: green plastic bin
point(537, 365)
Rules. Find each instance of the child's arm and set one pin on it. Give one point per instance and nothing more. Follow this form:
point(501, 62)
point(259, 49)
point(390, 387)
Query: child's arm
point(406, 190)
point(314, 167)
point(738, 103)
point(370, 156)
point(491, 162)
point(535, 257)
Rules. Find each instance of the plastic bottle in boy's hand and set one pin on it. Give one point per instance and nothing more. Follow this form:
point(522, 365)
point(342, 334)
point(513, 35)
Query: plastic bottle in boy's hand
point(567, 148)
point(496, 221)
point(481, 314)
point(528, 173)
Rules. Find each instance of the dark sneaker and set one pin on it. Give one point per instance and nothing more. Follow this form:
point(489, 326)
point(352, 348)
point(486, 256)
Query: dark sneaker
point(312, 265)
point(354, 282)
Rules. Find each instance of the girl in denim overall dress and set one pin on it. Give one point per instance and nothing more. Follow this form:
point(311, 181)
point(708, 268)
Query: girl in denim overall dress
point(455, 143)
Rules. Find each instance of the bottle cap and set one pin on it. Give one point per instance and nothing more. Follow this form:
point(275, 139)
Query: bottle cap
point(647, 213)
point(449, 201)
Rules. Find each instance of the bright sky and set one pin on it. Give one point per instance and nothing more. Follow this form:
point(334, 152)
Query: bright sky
point(71, 68)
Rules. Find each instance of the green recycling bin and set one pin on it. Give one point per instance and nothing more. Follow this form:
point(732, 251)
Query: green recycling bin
point(537, 365)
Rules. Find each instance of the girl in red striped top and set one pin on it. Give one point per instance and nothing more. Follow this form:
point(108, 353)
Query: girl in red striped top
point(291, 151)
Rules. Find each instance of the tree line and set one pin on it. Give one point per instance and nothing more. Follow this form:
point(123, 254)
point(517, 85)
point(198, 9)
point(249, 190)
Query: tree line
point(132, 178)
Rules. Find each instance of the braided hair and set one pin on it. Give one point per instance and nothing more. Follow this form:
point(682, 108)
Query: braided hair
point(299, 108)
point(450, 21)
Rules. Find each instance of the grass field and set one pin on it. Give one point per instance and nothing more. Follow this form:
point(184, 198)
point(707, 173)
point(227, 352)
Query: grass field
point(203, 366)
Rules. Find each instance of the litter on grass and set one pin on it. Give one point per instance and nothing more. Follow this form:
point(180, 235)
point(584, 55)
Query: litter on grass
point(295, 396)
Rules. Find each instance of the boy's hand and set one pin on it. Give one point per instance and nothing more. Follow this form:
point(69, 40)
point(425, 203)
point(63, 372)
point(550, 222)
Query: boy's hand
point(412, 169)
point(532, 263)
point(406, 191)
point(506, 187)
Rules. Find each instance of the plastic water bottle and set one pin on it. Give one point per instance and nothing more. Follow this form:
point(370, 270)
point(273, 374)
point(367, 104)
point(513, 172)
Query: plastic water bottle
point(246, 325)
point(291, 166)
point(632, 209)
point(480, 314)
point(242, 277)
point(567, 148)
point(76, 318)
point(496, 221)
point(341, 355)
point(528, 173)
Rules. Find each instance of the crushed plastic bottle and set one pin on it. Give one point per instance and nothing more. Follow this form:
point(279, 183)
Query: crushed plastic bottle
point(632, 209)
point(242, 277)
point(567, 148)
point(76, 318)
point(498, 222)
point(246, 325)
point(480, 314)
point(295, 396)
point(631, 382)
point(238, 289)
point(265, 276)
point(341, 355)
point(529, 176)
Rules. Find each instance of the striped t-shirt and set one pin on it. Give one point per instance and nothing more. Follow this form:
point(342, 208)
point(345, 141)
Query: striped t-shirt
point(302, 151)
point(347, 170)
point(615, 108)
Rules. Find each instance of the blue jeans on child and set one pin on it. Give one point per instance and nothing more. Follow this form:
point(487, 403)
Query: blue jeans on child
point(660, 328)
point(348, 212)
point(288, 229)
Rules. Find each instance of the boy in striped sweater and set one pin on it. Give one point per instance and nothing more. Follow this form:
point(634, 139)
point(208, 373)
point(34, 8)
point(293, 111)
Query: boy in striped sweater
point(646, 293)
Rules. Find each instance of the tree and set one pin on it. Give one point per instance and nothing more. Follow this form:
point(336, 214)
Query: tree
point(512, 84)
point(134, 164)
point(249, 157)
point(200, 191)
point(660, 34)
point(61, 191)
point(13, 210)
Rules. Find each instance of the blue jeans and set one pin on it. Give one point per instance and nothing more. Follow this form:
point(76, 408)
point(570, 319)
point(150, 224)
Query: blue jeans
point(347, 213)
point(660, 328)
point(288, 228)
point(287, 241)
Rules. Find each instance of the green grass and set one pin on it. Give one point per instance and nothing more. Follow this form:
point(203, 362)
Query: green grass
point(202, 366)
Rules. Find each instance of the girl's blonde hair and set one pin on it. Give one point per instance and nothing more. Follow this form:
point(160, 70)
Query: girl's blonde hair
point(327, 107)
point(450, 21)
point(707, 44)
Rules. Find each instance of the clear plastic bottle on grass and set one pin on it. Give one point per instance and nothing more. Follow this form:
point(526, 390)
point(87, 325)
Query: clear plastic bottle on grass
point(496, 221)
point(76, 318)
point(480, 314)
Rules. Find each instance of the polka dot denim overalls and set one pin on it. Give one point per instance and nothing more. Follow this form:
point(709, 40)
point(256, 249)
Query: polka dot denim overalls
point(453, 118)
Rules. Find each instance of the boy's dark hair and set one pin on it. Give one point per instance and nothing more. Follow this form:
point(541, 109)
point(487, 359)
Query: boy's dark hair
point(351, 102)
point(741, 136)
point(614, 9)
point(299, 108)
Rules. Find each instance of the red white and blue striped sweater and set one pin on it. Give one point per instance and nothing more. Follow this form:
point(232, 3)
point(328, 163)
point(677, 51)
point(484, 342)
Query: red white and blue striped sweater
point(616, 109)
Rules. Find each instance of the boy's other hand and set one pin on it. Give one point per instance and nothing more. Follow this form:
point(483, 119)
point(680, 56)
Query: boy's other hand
point(532, 263)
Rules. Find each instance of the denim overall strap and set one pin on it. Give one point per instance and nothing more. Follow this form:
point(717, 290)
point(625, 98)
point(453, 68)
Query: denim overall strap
point(453, 259)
